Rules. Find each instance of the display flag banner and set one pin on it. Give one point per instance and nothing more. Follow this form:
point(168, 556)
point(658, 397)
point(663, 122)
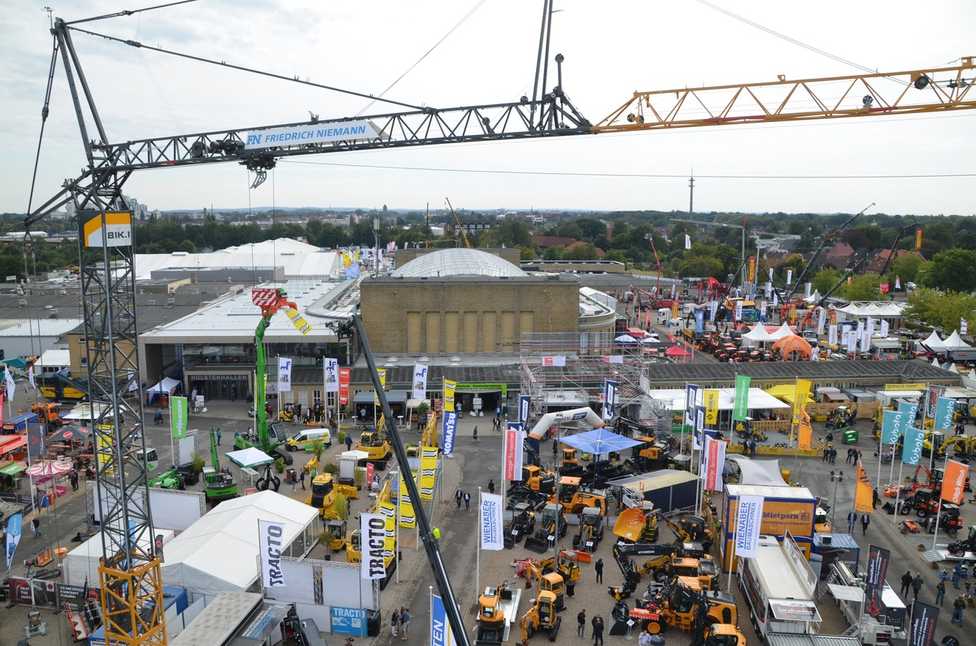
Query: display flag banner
point(419, 382)
point(912, 450)
point(863, 492)
point(271, 543)
point(884, 328)
point(381, 373)
point(691, 401)
point(699, 428)
point(748, 520)
point(932, 394)
point(851, 342)
point(954, 481)
point(789, 276)
point(178, 408)
point(821, 320)
point(877, 574)
point(284, 375)
point(715, 463)
point(524, 404)
point(14, 529)
point(738, 310)
point(491, 522)
point(372, 536)
point(804, 434)
point(921, 632)
point(512, 458)
point(610, 398)
point(944, 409)
point(345, 376)
point(408, 517)
point(711, 406)
point(712, 310)
point(908, 410)
point(330, 375)
point(449, 387)
point(740, 410)
point(769, 290)
point(440, 629)
point(891, 426)
point(687, 241)
point(449, 421)
point(832, 334)
point(11, 385)
point(800, 394)
point(699, 322)
point(752, 270)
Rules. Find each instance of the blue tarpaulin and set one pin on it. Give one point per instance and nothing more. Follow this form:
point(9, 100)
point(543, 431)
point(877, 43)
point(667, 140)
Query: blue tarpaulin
point(599, 441)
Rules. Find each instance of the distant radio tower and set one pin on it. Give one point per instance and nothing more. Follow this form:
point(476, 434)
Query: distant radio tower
point(691, 194)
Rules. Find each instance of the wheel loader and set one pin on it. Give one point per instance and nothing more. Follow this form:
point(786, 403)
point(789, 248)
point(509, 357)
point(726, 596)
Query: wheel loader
point(552, 525)
point(574, 499)
point(523, 524)
point(541, 617)
point(591, 530)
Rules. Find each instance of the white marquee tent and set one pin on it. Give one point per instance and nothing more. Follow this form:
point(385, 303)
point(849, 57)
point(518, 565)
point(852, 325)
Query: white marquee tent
point(80, 565)
point(218, 553)
point(955, 342)
point(674, 399)
point(934, 343)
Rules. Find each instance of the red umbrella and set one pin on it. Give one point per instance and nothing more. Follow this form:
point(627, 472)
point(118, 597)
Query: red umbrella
point(49, 468)
point(676, 351)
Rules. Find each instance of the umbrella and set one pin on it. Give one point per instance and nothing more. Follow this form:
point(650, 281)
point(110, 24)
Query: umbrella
point(625, 338)
point(599, 441)
point(68, 433)
point(49, 468)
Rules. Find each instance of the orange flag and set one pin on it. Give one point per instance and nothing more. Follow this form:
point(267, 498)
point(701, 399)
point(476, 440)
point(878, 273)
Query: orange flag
point(863, 493)
point(954, 481)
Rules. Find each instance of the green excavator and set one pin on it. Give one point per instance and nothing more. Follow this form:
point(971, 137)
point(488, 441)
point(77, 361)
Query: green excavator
point(268, 438)
point(219, 484)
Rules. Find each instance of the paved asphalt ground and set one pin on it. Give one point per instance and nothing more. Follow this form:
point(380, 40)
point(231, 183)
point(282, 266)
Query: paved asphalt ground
point(473, 465)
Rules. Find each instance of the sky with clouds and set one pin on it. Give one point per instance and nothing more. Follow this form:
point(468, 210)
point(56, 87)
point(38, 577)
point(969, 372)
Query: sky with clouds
point(611, 48)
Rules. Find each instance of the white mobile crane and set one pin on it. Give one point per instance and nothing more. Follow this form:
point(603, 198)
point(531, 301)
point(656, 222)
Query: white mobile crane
point(130, 577)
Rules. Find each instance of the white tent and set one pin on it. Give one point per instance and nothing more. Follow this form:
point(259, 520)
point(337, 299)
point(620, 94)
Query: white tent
point(934, 343)
point(674, 399)
point(955, 342)
point(249, 457)
point(874, 309)
point(812, 298)
point(758, 472)
point(83, 412)
point(218, 553)
point(758, 334)
point(935, 362)
point(784, 331)
point(166, 386)
point(80, 565)
point(954, 369)
point(625, 338)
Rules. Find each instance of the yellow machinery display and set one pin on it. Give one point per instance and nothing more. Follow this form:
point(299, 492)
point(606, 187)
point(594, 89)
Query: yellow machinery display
point(323, 497)
point(680, 605)
point(573, 499)
point(636, 525)
point(723, 635)
point(704, 570)
point(538, 479)
point(491, 616)
point(590, 530)
point(551, 582)
point(374, 444)
point(542, 616)
point(565, 567)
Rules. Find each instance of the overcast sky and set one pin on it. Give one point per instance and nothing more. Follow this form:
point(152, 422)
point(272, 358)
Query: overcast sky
point(612, 48)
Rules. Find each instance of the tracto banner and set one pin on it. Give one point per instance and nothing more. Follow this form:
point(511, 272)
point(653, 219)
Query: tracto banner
point(954, 481)
point(449, 432)
point(740, 410)
point(177, 417)
point(748, 520)
point(449, 387)
point(609, 399)
point(944, 409)
point(491, 522)
point(512, 453)
point(891, 426)
point(345, 375)
point(372, 535)
point(330, 375)
point(714, 455)
point(440, 630)
point(912, 451)
point(284, 375)
point(419, 382)
point(921, 632)
point(270, 544)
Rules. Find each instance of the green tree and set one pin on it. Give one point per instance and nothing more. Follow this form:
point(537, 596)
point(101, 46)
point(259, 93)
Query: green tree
point(863, 288)
point(701, 267)
point(952, 270)
point(553, 253)
point(580, 251)
point(941, 309)
point(512, 232)
point(825, 279)
point(906, 267)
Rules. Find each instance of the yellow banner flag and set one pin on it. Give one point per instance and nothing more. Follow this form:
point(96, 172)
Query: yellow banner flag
point(382, 374)
point(804, 437)
point(449, 388)
point(800, 394)
point(428, 472)
point(408, 518)
point(710, 397)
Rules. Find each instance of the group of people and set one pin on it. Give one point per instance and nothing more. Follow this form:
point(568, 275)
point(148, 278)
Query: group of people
point(596, 623)
point(400, 622)
point(852, 523)
point(913, 583)
point(462, 497)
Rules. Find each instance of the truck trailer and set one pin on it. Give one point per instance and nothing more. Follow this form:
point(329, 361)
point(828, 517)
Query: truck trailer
point(779, 585)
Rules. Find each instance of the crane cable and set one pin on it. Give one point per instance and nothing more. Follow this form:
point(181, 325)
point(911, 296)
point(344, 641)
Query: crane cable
point(128, 12)
point(242, 68)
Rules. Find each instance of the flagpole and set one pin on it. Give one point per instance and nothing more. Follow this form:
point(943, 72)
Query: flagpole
point(735, 534)
point(477, 575)
point(938, 512)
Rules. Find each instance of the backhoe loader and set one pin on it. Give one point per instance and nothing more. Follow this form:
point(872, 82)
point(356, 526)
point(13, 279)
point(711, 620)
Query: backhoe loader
point(551, 527)
point(567, 568)
point(552, 582)
point(649, 456)
point(491, 617)
point(591, 530)
point(682, 604)
point(662, 556)
point(692, 529)
point(375, 445)
point(542, 616)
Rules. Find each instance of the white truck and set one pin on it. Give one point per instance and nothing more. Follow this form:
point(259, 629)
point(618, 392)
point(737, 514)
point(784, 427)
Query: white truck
point(779, 586)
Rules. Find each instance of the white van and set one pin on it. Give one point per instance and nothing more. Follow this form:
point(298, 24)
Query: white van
point(302, 440)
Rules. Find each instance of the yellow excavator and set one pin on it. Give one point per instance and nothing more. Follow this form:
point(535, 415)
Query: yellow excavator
point(574, 499)
point(636, 525)
point(323, 496)
point(543, 615)
point(374, 444)
point(565, 567)
point(551, 582)
point(692, 529)
point(703, 569)
point(538, 480)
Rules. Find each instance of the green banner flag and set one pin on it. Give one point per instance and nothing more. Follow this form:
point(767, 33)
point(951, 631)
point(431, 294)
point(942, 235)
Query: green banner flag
point(178, 409)
point(741, 409)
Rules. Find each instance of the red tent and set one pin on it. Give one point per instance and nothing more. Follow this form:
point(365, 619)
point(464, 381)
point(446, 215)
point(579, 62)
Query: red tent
point(676, 351)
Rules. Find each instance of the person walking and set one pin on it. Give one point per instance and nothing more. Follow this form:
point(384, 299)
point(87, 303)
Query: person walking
point(865, 521)
point(301, 479)
point(956, 575)
point(467, 501)
point(217, 433)
point(917, 585)
point(73, 478)
point(491, 486)
point(458, 498)
point(349, 441)
point(957, 607)
point(874, 499)
point(826, 453)
point(405, 618)
point(597, 624)
point(581, 623)
point(851, 521)
point(598, 569)
point(36, 526)
point(906, 582)
point(940, 593)
point(474, 434)
point(395, 622)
